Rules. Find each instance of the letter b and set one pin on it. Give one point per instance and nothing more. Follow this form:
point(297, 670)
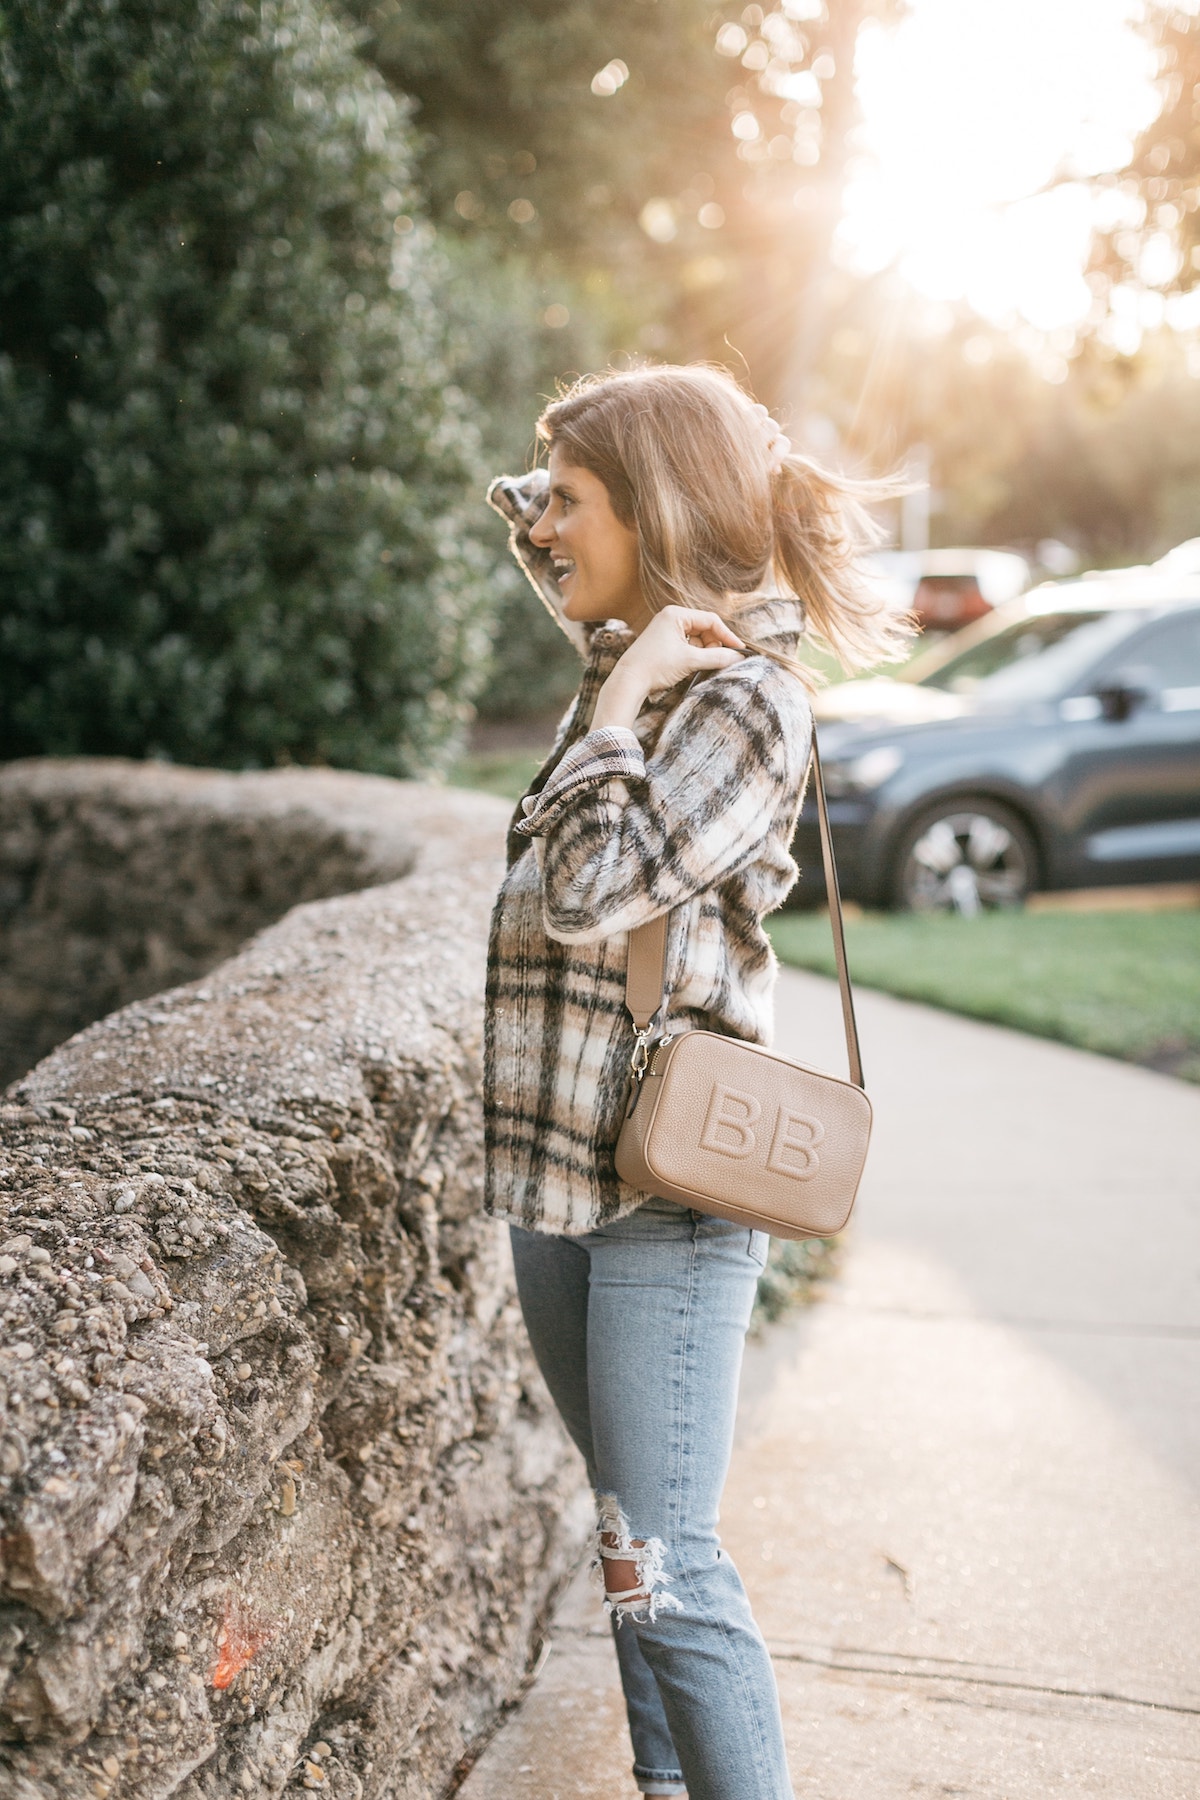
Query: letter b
point(727, 1127)
point(794, 1145)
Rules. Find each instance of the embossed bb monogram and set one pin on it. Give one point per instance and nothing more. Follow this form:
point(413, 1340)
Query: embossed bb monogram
point(729, 1130)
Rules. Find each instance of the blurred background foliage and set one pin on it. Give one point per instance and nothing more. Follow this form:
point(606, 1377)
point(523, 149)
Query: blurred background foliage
point(283, 281)
point(687, 189)
point(1163, 175)
point(1104, 456)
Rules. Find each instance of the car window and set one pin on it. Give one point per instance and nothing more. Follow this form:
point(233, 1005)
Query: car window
point(1033, 659)
point(1163, 662)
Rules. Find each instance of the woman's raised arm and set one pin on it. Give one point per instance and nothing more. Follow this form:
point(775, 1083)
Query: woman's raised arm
point(626, 838)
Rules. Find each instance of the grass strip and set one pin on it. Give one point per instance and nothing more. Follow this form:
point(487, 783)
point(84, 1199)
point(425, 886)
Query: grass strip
point(504, 772)
point(1126, 984)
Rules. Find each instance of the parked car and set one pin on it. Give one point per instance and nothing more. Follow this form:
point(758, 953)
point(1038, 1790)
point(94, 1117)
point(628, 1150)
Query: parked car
point(947, 589)
point(1054, 744)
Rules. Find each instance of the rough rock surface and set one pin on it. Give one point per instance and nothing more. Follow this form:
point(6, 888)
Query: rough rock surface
point(282, 1499)
point(119, 879)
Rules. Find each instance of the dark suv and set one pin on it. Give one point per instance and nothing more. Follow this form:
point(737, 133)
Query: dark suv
point(1055, 744)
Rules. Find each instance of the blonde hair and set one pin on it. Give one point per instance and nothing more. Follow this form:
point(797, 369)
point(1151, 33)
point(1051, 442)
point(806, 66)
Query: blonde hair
point(686, 458)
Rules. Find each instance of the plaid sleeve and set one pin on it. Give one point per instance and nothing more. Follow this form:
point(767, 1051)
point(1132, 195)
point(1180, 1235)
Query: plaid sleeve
point(521, 500)
point(610, 753)
point(625, 839)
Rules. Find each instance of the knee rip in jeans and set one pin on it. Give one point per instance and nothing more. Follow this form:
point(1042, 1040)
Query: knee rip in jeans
point(614, 1544)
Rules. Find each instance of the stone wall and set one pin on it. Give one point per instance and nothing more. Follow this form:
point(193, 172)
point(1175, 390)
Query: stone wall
point(283, 1501)
point(119, 879)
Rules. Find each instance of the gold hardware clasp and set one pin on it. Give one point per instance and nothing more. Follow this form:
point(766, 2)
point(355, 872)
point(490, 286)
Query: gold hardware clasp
point(640, 1060)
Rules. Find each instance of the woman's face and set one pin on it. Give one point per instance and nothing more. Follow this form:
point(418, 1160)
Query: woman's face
point(595, 555)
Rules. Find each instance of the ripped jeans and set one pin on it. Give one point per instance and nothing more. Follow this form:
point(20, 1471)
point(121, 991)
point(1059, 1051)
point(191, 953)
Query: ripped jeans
point(638, 1329)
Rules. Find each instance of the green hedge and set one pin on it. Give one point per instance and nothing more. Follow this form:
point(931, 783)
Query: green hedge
point(238, 490)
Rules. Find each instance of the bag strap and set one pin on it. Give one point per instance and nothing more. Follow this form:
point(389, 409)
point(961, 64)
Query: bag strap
point(645, 974)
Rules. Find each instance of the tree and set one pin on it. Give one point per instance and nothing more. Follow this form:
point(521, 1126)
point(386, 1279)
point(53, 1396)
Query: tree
point(679, 167)
point(1163, 176)
point(233, 473)
point(1105, 455)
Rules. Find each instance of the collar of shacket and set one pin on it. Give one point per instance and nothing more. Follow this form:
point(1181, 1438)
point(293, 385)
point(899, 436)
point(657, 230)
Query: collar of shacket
point(776, 620)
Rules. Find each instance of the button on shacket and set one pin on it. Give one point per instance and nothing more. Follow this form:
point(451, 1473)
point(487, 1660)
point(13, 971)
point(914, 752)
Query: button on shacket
point(691, 812)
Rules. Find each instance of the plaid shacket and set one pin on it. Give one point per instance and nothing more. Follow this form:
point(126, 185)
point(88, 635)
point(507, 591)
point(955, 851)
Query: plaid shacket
point(691, 812)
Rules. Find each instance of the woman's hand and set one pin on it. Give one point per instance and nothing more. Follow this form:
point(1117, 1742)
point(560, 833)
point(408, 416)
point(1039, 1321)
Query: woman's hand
point(678, 642)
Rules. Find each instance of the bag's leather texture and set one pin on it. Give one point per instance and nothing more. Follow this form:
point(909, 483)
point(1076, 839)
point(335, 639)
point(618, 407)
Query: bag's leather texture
point(732, 1129)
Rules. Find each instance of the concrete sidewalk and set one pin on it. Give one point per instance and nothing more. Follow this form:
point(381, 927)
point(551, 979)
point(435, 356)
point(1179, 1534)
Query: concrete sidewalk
point(965, 1494)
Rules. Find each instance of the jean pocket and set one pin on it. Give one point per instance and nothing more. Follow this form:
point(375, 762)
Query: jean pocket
point(759, 1248)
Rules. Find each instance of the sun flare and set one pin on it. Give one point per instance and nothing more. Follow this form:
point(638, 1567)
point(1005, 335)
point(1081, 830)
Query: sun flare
point(983, 121)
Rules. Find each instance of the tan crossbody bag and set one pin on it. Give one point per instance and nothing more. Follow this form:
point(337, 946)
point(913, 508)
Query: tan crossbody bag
point(730, 1128)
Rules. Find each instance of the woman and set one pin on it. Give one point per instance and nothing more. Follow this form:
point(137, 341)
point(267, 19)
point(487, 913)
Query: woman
point(687, 551)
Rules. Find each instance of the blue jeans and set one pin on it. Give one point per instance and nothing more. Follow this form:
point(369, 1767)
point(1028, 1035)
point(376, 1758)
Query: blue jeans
point(638, 1329)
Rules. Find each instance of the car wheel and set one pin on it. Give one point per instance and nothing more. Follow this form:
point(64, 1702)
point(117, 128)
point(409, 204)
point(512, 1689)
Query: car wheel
point(965, 856)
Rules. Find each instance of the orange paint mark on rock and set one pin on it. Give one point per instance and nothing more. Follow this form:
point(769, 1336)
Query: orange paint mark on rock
point(238, 1642)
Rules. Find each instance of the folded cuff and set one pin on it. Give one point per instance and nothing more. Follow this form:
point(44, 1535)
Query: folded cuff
point(611, 752)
